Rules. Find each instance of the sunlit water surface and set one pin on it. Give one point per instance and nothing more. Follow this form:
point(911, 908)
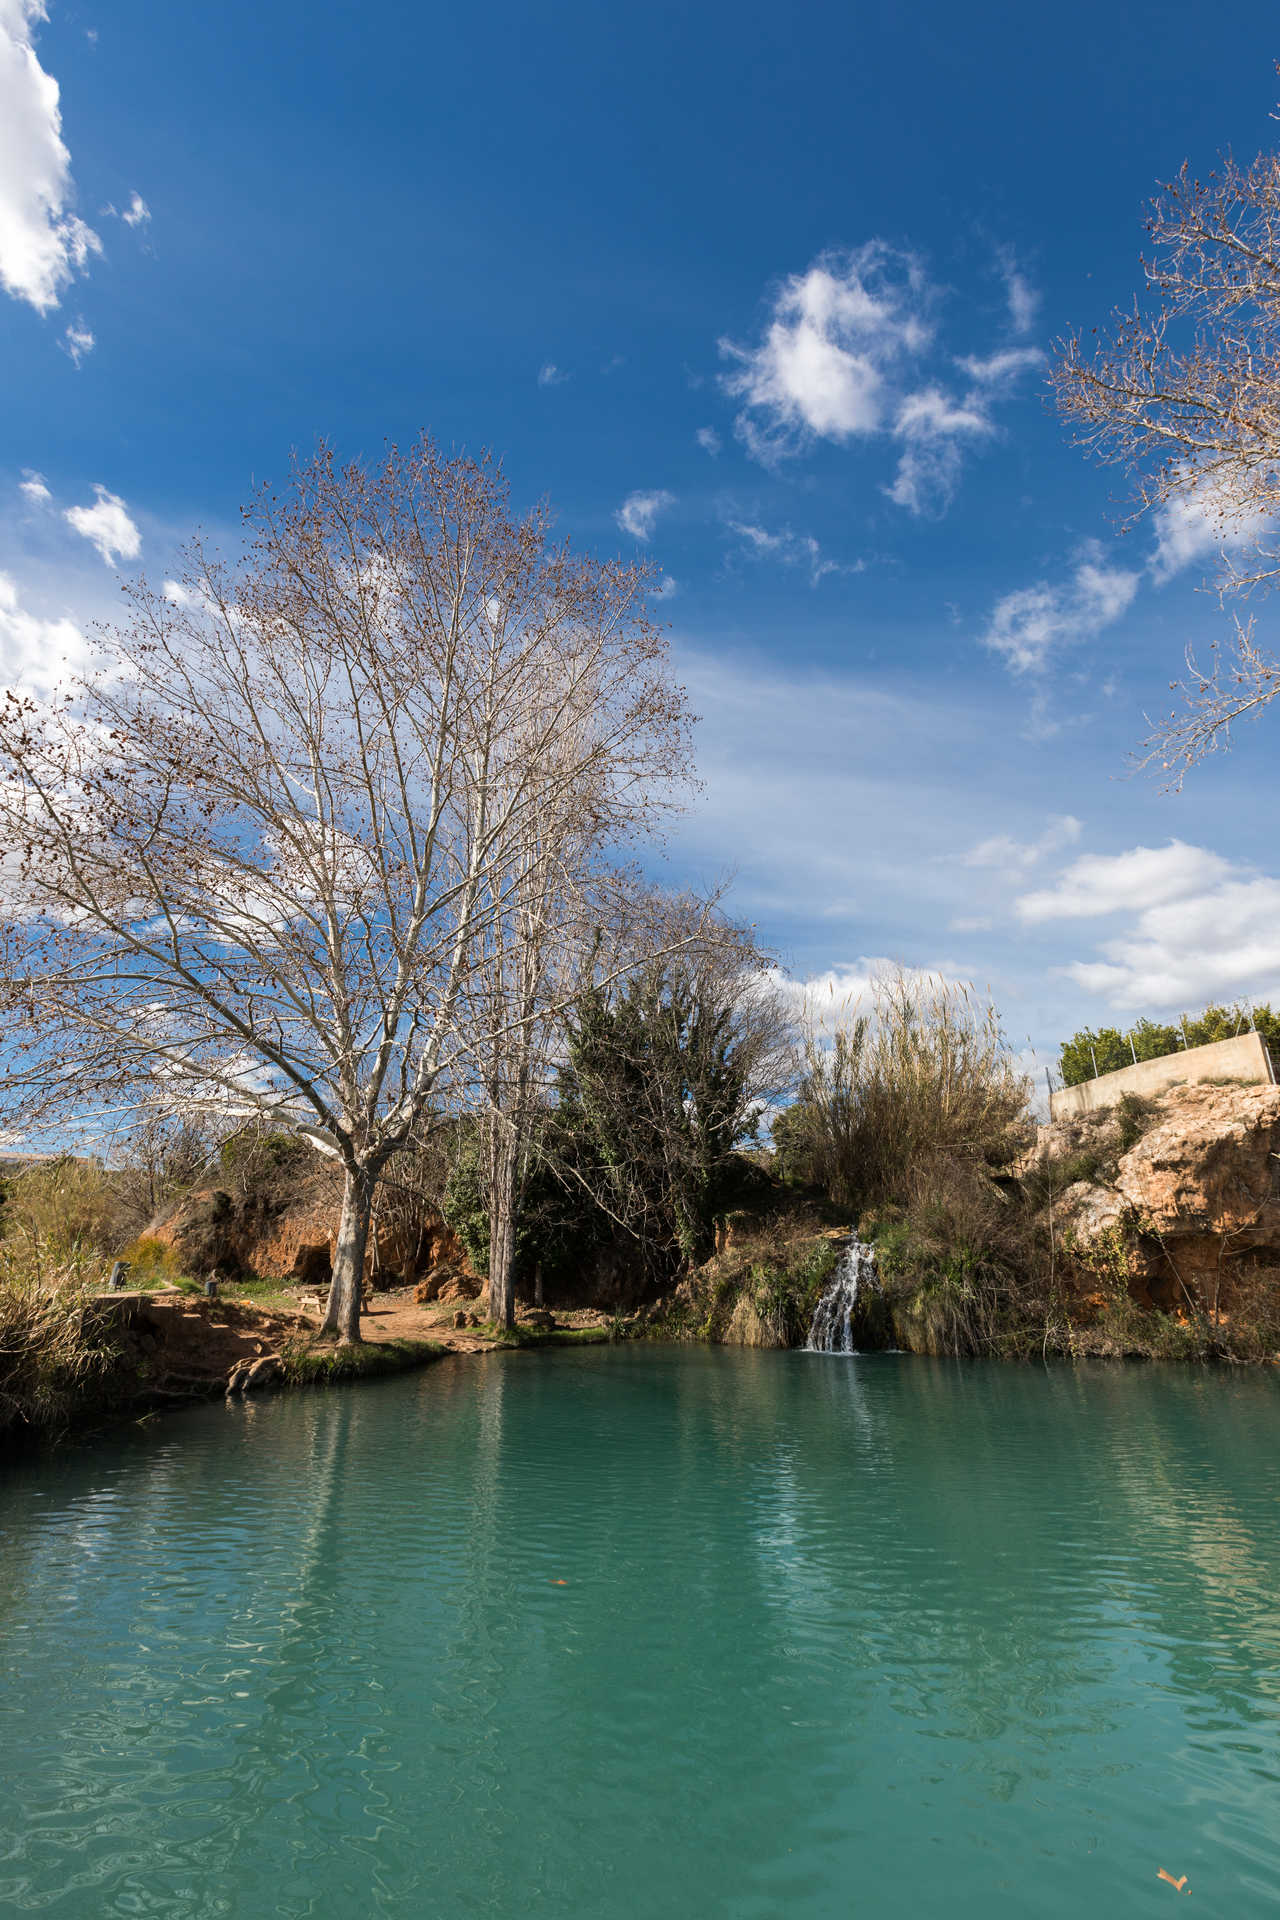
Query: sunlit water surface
point(654, 1632)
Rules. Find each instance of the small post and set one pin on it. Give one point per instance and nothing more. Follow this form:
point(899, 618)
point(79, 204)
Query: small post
point(1093, 1056)
point(1182, 1019)
point(1133, 1050)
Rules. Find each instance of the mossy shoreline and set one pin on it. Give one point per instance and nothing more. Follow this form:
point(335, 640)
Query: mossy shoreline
point(111, 1385)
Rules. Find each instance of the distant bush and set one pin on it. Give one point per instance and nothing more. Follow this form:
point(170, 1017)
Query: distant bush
point(1152, 1040)
point(61, 1211)
point(151, 1261)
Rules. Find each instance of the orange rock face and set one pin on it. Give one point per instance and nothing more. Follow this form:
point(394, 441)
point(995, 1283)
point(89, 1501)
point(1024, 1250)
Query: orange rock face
point(1193, 1199)
point(293, 1238)
point(1208, 1170)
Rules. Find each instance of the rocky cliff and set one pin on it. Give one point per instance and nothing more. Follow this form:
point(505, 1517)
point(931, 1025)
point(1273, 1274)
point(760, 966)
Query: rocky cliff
point(1190, 1207)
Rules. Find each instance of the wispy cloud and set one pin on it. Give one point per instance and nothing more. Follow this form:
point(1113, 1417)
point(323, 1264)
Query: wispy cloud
point(1024, 301)
point(639, 512)
point(108, 526)
point(1002, 368)
point(77, 341)
point(1028, 626)
point(1144, 877)
point(834, 333)
point(1001, 850)
point(791, 549)
point(137, 213)
point(43, 244)
point(550, 375)
point(933, 431)
point(32, 487)
point(709, 440)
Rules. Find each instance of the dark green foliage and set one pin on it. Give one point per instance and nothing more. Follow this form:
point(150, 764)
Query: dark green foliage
point(1152, 1040)
point(655, 1097)
point(465, 1207)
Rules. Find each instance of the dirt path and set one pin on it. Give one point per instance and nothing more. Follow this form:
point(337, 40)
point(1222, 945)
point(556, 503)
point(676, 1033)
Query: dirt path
point(396, 1315)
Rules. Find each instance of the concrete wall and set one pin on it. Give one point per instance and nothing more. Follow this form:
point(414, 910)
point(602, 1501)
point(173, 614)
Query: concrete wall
point(1244, 1058)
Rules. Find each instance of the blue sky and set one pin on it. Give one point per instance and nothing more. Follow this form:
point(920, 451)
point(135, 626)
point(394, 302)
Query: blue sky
point(764, 295)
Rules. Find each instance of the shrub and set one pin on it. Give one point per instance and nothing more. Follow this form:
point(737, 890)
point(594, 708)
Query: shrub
point(925, 1073)
point(56, 1355)
point(1152, 1040)
point(61, 1211)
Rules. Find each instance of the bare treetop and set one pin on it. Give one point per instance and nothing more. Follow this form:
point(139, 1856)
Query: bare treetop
point(252, 857)
point(1185, 392)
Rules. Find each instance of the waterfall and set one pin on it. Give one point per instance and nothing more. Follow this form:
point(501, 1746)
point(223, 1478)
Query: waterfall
point(832, 1329)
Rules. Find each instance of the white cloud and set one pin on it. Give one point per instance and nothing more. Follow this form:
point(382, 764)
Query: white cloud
point(179, 595)
point(43, 245)
point(1003, 851)
point(1024, 301)
point(1199, 523)
point(669, 588)
point(137, 213)
point(1143, 878)
point(639, 512)
point(839, 993)
point(1027, 626)
point(838, 361)
point(549, 375)
point(709, 440)
point(108, 526)
point(933, 428)
point(1201, 927)
point(77, 341)
point(1000, 369)
point(834, 333)
point(34, 652)
point(33, 488)
point(792, 549)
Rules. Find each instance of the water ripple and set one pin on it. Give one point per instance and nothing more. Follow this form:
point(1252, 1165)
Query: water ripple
point(662, 1632)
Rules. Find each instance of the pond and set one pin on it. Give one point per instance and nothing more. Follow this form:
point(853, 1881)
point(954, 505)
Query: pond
point(654, 1631)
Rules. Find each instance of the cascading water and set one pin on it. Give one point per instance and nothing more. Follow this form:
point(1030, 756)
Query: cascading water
point(832, 1329)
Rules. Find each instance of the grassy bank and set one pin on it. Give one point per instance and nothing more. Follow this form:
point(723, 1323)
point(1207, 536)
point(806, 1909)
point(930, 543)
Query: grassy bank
point(61, 1361)
point(316, 1366)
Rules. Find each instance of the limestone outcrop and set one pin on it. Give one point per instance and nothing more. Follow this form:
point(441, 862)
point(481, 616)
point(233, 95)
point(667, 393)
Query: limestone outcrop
point(1190, 1202)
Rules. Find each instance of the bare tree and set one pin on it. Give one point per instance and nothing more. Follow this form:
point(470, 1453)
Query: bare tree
point(1185, 393)
point(252, 857)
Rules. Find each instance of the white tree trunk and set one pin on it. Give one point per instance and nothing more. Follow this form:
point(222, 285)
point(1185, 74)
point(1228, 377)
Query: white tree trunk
point(342, 1316)
point(502, 1232)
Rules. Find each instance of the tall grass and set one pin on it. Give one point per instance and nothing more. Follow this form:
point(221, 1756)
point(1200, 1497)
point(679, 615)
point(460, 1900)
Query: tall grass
point(923, 1071)
point(57, 1351)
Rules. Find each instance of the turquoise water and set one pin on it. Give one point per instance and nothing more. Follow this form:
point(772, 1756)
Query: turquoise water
point(866, 1637)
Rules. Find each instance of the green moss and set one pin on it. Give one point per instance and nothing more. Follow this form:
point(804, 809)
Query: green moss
point(543, 1336)
point(331, 1366)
